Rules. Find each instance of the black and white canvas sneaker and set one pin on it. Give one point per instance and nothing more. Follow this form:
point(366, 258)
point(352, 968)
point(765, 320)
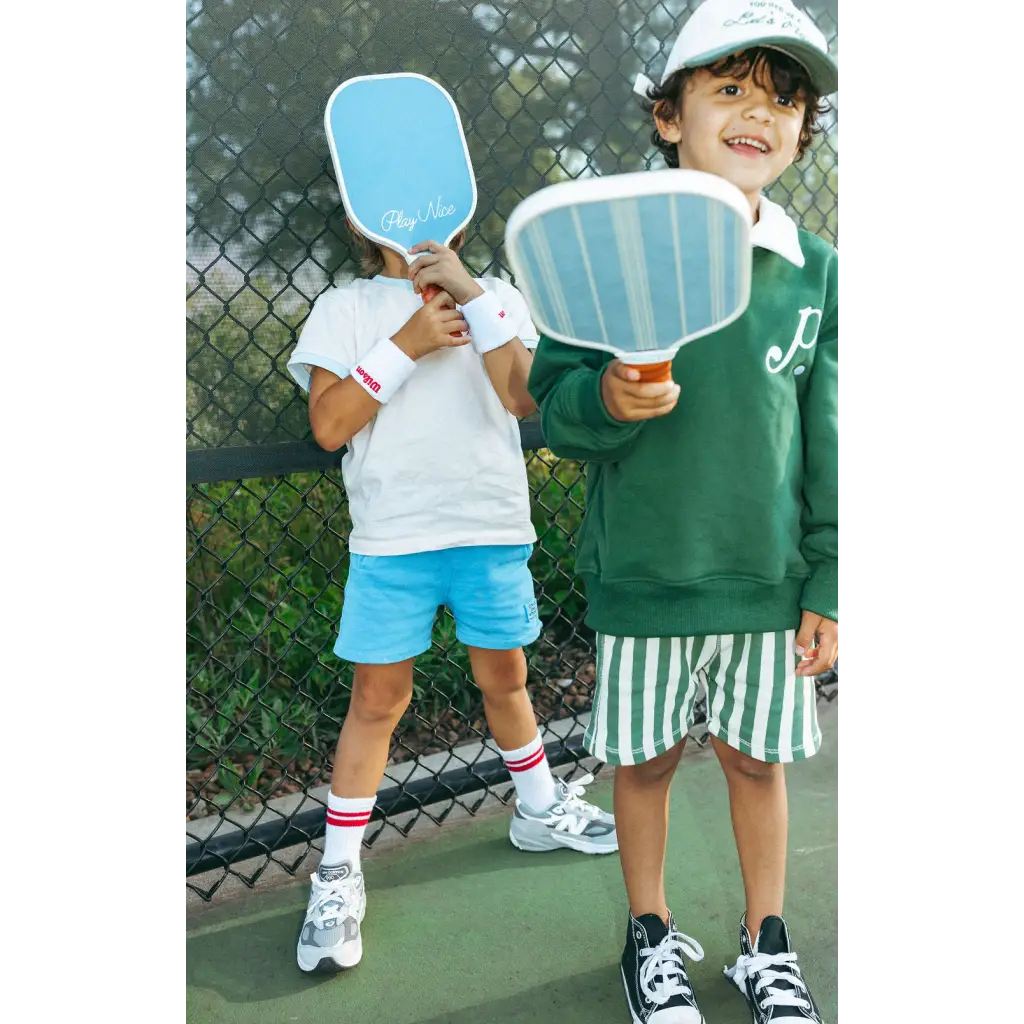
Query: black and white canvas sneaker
point(658, 990)
point(766, 972)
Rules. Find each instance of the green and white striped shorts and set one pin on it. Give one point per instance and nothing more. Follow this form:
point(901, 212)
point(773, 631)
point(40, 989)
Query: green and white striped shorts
point(647, 689)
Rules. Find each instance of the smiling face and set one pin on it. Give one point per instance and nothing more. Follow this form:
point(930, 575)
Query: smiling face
point(734, 121)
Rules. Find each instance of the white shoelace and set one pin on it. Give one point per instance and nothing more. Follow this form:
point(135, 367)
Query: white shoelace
point(341, 894)
point(666, 960)
point(572, 806)
point(759, 967)
point(574, 791)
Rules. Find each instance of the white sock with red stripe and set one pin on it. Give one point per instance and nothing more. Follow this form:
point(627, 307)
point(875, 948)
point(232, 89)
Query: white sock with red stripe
point(531, 774)
point(347, 818)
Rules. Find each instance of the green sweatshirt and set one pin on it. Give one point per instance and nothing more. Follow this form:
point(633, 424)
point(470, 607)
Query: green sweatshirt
point(720, 517)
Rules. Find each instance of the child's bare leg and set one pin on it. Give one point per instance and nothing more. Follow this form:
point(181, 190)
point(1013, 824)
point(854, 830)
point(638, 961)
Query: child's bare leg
point(641, 817)
point(380, 695)
point(543, 804)
point(501, 676)
point(760, 819)
point(331, 929)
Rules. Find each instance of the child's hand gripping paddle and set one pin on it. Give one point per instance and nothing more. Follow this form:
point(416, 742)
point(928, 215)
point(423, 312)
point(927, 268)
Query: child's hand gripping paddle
point(401, 160)
point(634, 264)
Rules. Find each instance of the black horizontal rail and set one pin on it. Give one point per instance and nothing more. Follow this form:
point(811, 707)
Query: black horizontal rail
point(248, 462)
point(261, 840)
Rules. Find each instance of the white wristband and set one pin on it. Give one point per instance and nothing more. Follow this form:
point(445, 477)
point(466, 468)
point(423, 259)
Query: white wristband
point(489, 322)
point(384, 370)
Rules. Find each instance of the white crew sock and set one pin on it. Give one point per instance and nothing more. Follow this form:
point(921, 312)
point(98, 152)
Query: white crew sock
point(347, 818)
point(531, 774)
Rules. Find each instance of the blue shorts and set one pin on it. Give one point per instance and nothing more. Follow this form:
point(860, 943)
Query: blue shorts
point(391, 601)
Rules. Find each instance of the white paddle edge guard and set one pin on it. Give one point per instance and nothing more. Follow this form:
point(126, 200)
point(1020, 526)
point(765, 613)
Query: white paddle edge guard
point(362, 228)
point(625, 186)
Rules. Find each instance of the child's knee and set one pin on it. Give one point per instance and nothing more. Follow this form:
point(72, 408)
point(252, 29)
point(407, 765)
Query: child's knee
point(736, 763)
point(499, 673)
point(654, 771)
point(380, 694)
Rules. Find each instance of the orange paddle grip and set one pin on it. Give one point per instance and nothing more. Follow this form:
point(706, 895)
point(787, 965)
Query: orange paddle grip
point(654, 373)
point(427, 294)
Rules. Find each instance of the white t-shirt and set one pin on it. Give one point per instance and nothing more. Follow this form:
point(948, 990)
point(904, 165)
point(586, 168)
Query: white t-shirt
point(441, 465)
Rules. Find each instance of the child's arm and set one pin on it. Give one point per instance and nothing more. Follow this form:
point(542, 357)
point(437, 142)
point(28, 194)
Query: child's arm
point(339, 407)
point(506, 359)
point(345, 393)
point(508, 368)
point(592, 408)
point(820, 545)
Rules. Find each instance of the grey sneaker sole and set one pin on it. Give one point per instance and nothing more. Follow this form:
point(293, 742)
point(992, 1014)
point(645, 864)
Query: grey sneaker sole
point(536, 838)
point(333, 963)
point(332, 960)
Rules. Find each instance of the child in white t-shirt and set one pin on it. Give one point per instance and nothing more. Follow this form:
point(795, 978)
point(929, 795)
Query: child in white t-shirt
point(440, 513)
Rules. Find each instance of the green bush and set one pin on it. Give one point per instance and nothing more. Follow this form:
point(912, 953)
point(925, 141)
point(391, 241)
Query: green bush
point(267, 561)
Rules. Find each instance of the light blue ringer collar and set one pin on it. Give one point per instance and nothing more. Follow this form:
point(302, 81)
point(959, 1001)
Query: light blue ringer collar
point(393, 282)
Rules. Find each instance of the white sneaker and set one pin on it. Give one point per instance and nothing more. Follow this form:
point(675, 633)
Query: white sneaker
point(331, 932)
point(569, 822)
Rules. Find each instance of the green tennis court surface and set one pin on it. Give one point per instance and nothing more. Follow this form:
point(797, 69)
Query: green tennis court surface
point(465, 929)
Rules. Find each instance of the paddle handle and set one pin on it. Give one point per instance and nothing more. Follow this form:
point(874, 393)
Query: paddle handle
point(427, 294)
point(654, 373)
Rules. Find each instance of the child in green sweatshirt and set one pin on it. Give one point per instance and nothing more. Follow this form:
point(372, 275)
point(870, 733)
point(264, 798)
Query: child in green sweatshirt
point(709, 547)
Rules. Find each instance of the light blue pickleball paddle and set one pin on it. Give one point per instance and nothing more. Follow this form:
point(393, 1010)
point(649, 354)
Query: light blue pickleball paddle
point(401, 159)
point(635, 264)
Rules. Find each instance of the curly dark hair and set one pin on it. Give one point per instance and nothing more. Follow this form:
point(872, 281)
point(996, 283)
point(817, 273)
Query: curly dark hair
point(770, 69)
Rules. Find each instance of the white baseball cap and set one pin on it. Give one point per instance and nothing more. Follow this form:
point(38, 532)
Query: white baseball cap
point(720, 27)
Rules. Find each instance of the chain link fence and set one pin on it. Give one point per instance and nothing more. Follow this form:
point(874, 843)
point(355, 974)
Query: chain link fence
point(544, 89)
